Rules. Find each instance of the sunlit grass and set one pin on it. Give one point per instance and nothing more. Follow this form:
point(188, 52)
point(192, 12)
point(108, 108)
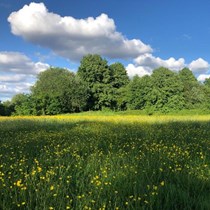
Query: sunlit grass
point(105, 162)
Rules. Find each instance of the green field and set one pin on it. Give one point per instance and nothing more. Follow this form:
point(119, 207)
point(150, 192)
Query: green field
point(105, 162)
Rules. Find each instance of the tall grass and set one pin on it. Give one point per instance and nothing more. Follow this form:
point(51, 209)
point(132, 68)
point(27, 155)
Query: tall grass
point(105, 162)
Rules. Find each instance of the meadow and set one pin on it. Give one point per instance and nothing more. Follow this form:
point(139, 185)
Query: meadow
point(99, 162)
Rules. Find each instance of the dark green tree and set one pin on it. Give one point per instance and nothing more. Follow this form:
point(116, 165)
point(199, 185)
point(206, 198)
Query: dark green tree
point(2, 111)
point(8, 108)
point(96, 73)
point(167, 90)
point(119, 77)
point(119, 82)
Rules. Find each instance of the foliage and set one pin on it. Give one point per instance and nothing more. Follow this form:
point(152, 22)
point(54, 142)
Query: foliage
point(103, 81)
point(99, 86)
point(2, 109)
point(168, 90)
point(6, 108)
point(138, 93)
point(193, 94)
point(59, 91)
point(162, 90)
point(119, 77)
point(105, 162)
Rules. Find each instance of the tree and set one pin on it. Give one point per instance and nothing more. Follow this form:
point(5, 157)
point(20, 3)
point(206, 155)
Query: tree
point(119, 82)
point(207, 82)
point(2, 111)
point(162, 91)
point(23, 104)
point(59, 91)
point(206, 92)
point(96, 73)
point(168, 90)
point(93, 69)
point(192, 89)
point(138, 92)
point(8, 108)
point(119, 77)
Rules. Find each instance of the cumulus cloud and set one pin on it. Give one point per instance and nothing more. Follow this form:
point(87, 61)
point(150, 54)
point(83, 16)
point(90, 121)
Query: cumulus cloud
point(11, 78)
point(199, 66)
point(203, 77)
point(73, 38)
point(145, 64)
point(19, 63)
point(17, 73)
point(148, 60)
point(141, 71)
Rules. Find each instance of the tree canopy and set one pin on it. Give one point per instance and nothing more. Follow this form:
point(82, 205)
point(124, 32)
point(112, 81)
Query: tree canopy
point(97, 86)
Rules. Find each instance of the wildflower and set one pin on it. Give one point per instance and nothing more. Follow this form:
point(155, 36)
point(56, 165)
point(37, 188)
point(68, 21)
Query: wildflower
point(18, 183)
point(39, 169)
point(162, 183)
point(155, 187)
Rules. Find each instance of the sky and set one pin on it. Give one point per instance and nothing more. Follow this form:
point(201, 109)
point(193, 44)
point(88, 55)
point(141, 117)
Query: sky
point(141, 34)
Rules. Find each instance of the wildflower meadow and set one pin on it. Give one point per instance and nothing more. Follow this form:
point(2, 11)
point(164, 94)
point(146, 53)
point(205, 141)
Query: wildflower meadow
point(105, 162)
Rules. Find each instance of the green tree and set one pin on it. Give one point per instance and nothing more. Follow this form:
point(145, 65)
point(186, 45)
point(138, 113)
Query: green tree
point(167, 90)
point(119, 82)
point(162, 91)
point(206, 92)
point(59, 91)
point(119, 77)
point(96, 73)
point(8, 108)
point(23, 104)
point(207, 82)
point(2, 111)
point(194, 96)
point(138, 92)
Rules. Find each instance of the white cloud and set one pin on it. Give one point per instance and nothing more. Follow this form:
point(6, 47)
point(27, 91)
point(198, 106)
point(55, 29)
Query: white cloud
point(11, 78)
point(203, 77)
point(17, 73)
point(141, 71)
point(148, 60)
point(199, 66)
point(145, 64)
point(73, 38)
point(16, 62)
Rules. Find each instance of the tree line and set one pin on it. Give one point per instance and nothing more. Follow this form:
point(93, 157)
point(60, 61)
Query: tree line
point(100, 86)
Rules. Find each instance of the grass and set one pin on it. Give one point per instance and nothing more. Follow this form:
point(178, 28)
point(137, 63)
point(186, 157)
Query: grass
point(184, 112)
point(105, 162)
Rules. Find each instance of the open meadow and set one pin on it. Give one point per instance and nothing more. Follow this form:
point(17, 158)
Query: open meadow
point(105, 162)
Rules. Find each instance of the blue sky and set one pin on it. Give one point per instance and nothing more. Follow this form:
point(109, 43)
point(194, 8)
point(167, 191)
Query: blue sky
point(143, 35)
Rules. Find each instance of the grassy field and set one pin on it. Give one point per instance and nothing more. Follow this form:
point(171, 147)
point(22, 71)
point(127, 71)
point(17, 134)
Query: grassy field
point(105, 162)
